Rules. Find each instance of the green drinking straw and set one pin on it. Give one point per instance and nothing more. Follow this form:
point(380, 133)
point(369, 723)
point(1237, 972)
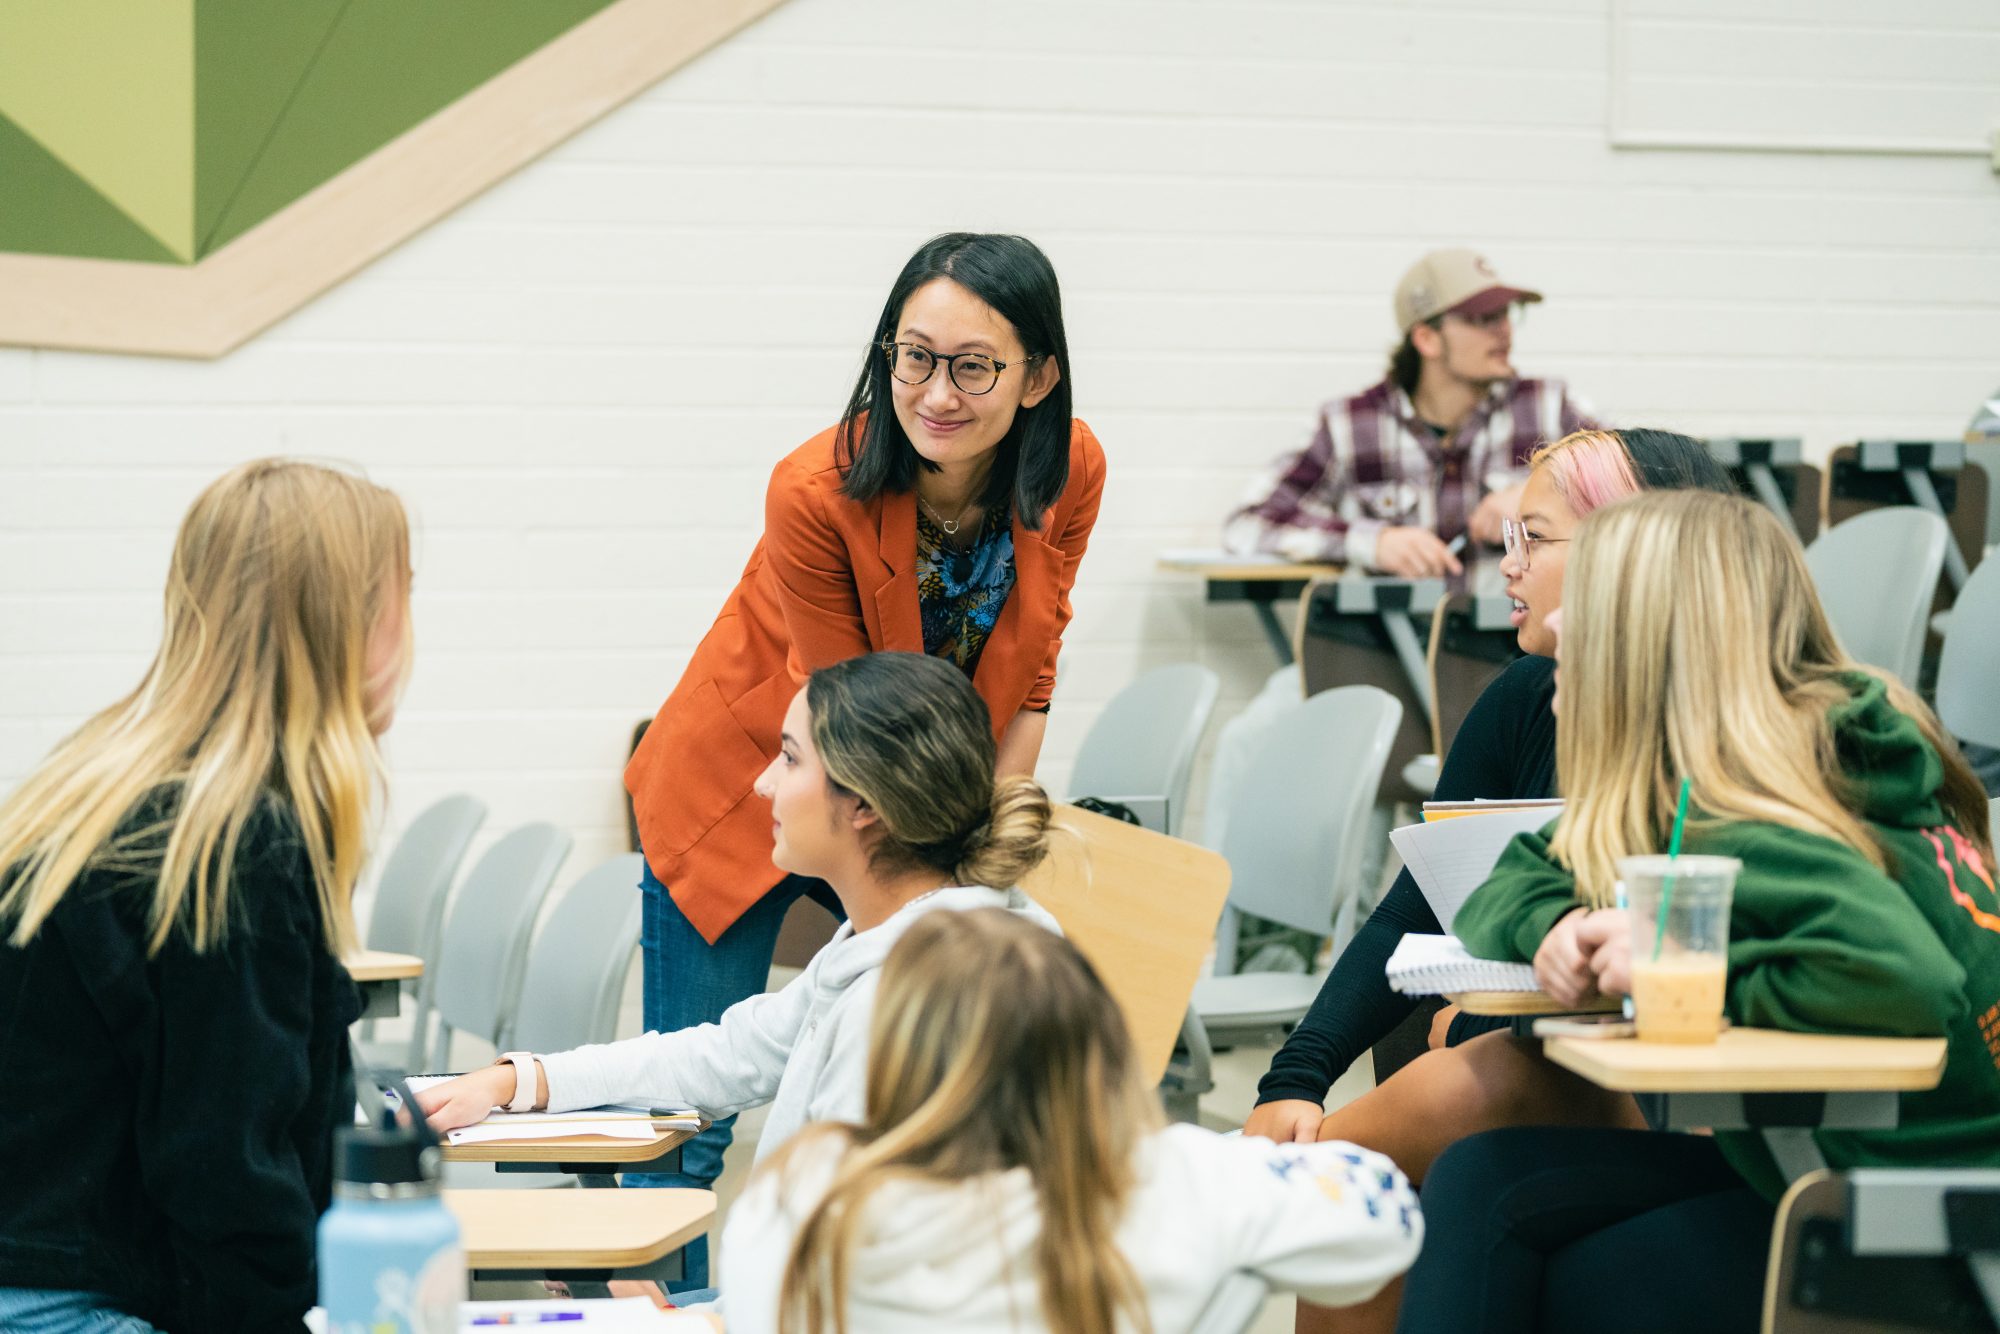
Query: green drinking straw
point(1667, 881)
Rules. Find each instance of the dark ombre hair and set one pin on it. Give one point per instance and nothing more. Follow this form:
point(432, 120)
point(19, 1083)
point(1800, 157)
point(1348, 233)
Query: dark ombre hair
point(1031, 468)
point(908, 734)
point(1670, 461)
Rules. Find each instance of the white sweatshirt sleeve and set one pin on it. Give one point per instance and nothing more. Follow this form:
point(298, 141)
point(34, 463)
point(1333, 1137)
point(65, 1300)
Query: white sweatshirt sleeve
point(719, 1069)
point(1330, 1222)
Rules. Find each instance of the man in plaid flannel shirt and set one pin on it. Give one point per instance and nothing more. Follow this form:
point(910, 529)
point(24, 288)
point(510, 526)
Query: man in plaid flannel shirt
point(1437, 451)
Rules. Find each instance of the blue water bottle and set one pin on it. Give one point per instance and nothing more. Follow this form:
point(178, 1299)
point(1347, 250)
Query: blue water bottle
point(390, 1261)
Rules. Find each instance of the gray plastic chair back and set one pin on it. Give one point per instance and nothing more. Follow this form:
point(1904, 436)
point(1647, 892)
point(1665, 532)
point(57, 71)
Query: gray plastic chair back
point(416, 878)
point(1967, 702)
point(485, 946)
point(1876, 574)
point(1143, 744)
point(1299, 810)
point(579, 960)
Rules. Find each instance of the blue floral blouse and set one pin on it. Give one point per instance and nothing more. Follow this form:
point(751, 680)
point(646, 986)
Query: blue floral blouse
point(960, 592)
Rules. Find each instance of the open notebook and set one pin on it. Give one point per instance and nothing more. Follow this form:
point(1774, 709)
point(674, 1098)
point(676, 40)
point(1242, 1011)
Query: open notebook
point(1454, 850)
point(1436, 965)
point(615, 1122)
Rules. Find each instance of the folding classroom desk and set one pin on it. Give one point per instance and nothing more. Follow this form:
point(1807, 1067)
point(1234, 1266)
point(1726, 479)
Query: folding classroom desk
point(625, 1239)
point(381, 975)
point(1261, 583)
point(581, 1237)
point(1783, 1085)
point(1774, 471)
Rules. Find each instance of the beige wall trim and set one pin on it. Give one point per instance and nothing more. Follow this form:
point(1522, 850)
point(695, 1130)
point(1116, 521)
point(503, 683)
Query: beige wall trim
point(210, 308)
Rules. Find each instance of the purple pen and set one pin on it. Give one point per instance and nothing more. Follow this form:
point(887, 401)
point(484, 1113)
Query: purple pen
point(527, 1318)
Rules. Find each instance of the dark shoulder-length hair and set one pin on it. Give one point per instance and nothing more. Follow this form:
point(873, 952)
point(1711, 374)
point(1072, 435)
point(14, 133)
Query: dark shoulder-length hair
point(1012, 275)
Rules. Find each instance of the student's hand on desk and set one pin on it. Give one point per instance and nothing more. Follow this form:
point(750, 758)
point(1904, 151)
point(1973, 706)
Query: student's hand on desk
point(1562, 964)
point(1484, 521)
point(1414, 553)
point(467, 1100)
point(1288, 1121)
point(1607, 934)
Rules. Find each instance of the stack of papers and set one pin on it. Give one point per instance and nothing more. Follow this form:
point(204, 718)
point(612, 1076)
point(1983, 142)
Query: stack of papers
point(633, 1123)
point(1437, 965)
point(1450, 857)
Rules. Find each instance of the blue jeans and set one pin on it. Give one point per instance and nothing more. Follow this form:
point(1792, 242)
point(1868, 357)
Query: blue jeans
point(689, 981)
point(32, 1311)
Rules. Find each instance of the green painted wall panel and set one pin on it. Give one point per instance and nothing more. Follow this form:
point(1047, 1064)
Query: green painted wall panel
point(46, 209)
point(386, 66)
point(247, 68)
point(107, 87)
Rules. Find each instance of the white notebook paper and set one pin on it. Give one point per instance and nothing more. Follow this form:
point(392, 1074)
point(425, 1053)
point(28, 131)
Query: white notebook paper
point(1451, 858)
point(1435, 965)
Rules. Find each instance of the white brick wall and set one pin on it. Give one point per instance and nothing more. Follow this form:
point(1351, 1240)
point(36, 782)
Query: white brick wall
point(580, 382)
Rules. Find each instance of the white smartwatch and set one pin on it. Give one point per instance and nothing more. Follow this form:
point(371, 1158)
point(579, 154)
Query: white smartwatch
point(524, 1079)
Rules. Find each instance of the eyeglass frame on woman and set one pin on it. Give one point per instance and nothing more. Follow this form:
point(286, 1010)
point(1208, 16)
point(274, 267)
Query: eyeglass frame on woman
point(950, 360)
point(1515, 533)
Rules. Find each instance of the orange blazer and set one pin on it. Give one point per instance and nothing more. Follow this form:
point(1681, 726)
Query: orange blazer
point(831, 578)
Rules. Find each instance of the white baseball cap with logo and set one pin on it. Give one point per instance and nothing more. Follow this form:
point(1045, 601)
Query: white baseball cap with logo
point(1453, 282)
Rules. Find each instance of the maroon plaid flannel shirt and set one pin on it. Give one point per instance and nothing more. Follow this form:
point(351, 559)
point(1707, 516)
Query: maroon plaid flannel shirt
point(1373, 464)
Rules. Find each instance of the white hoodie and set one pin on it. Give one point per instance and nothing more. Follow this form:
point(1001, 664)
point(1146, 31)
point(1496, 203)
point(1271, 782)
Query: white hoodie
point(1331, 1222)
point(804, 1049)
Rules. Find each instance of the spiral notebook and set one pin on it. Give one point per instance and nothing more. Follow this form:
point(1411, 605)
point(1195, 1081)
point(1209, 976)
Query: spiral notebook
point(1437, 965)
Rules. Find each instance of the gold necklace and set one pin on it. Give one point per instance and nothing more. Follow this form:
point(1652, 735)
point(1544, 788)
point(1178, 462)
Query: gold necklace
point(950, 526)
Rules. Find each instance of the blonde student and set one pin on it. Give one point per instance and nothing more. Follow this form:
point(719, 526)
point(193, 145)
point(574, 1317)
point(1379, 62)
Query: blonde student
point(1694, 648)
point(1010, 1173)
point(883, 786)
point(174, 904)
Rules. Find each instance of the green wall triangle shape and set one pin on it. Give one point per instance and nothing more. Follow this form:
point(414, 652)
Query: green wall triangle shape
point(107, 87)
point(386, 66)
point(47, 209)
point(247, 69)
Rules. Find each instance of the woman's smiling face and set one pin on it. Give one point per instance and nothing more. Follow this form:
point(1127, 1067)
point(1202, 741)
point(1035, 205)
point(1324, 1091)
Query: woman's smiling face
point(946, 425)
point(1536, 584)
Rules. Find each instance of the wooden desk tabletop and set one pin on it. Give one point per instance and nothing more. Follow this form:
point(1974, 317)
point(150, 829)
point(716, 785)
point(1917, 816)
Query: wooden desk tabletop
point(382, 966)
point(1509, 1003)
point(576, 1229)
point(1754, 1060)
point(568, 1149)
point(1248, 571)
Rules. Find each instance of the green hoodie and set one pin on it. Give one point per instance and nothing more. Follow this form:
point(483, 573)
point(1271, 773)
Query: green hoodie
point(1823, 942)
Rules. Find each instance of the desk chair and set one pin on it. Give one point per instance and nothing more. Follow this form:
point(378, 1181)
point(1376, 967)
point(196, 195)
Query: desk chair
point(1876, 575)
point(1143, 744)
point(484, 951)
point(1142, 907)
point(1967, 704)
point(572, 984)
point(410, 895)
point(1296, 820)
point(1881, 1251)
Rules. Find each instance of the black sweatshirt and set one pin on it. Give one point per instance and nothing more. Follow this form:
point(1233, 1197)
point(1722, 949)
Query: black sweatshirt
point(167, 1134)
point(1505, 748)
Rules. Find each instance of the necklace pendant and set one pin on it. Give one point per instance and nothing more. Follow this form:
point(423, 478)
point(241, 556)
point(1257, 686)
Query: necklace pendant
point(950, 527)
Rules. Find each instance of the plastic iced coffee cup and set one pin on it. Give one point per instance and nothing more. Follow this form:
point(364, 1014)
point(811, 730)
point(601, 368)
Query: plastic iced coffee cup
point(1680, 943)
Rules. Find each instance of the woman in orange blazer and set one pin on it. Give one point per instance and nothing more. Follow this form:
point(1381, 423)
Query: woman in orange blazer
point(946, 513)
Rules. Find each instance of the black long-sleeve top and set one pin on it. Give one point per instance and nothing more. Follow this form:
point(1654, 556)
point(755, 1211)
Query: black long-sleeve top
point(167, 1135)
point(1506, 748)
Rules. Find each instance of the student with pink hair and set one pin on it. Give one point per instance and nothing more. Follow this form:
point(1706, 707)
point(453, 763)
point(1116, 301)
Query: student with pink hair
point(1505, 749)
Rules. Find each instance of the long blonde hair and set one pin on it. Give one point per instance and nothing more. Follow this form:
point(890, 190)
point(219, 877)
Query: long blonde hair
point(993, 1046)
point(280, 572)
point(909, 735)
point(1694, 646)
